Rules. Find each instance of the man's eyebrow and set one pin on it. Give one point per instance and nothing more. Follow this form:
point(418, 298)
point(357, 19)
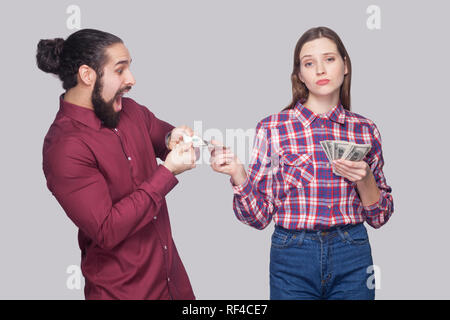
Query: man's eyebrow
point(324, 54)
point(124, 62)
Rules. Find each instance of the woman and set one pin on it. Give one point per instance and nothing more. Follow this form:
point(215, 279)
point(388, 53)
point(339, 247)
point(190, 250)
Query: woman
point(320, 247)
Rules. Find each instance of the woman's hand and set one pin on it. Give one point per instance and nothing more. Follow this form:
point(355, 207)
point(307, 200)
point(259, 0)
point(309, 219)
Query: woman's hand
point(355, 171)
point(359, 172)
point(224, 161)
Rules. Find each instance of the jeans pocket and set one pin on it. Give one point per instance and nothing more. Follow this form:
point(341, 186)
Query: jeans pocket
point(282, 239)
point(297, 169)
point(356, 235)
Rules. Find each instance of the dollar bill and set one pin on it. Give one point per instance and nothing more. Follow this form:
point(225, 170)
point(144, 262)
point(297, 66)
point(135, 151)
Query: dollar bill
point(338, 149)
point(324, 145)
point(357, 152)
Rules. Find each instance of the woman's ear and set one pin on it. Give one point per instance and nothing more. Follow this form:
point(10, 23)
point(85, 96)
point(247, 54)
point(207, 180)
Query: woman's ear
point(345, 66)
point(87, 75)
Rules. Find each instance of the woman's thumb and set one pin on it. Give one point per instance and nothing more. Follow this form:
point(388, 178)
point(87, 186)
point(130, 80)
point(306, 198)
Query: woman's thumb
point(216, 143)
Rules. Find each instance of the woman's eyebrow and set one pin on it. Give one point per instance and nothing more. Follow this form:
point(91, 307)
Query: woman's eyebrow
point(324, 54)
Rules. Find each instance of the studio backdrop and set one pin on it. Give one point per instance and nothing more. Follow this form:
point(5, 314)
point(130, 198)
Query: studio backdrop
point(220, 67)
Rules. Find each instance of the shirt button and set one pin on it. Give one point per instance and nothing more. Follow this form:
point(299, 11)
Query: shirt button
point(329, 207)
point(168, 279)
point(115, 129)
point(129, 158)
point(165, 247)
point(329, 185)
point(155, 217)
point(323, 126)
point(328, 165)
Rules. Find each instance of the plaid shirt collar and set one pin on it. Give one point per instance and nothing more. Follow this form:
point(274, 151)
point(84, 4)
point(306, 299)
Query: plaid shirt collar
point(306, 116)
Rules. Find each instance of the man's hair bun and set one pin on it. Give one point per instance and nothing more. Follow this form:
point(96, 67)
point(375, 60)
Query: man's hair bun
point(48, 55)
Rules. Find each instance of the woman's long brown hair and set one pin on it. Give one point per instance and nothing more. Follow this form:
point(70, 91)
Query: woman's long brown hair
point(299, 91)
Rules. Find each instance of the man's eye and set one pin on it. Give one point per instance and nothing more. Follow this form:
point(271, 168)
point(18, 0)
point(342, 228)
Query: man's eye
point(120, 71)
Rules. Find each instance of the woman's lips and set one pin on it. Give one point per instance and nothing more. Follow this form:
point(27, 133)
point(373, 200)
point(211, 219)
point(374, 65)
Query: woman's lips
point(322, 82)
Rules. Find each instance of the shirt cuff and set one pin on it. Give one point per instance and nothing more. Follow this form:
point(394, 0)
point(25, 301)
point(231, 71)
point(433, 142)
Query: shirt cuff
point(373, 209)
point(167, 139)
point(161, 182)
point(242, 190)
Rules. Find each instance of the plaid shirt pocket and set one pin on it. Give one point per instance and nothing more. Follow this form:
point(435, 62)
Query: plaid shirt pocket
point(297, 169)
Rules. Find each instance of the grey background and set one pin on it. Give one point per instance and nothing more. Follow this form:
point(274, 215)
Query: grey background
point(228, 64)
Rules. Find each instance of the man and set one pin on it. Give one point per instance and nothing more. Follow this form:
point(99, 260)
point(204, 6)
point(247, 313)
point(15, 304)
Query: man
point(99, 159)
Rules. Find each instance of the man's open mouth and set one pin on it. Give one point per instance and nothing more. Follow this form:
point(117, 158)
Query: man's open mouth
point(118, 100)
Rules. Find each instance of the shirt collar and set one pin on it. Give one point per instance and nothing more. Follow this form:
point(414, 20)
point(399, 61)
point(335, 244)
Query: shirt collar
point(80, 114)
point(306, 116)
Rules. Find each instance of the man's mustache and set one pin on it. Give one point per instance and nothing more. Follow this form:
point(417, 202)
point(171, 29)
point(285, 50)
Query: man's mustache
point(126, 89)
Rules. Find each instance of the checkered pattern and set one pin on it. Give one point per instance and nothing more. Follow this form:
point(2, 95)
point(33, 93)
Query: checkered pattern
point(291, 180)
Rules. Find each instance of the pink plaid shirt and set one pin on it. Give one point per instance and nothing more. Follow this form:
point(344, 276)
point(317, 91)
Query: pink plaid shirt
point(291, 180)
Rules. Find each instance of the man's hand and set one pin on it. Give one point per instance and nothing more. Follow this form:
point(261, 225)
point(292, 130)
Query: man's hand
point(181, 158)
point(176, 136)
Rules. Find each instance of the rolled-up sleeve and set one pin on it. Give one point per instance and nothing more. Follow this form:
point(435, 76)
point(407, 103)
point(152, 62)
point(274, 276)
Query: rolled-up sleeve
point(379, 213)
point(253, 201)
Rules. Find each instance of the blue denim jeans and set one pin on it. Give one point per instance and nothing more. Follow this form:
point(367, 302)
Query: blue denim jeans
point(328, 264)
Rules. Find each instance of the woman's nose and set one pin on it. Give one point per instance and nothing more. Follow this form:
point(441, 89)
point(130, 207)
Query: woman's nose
point(320, 68)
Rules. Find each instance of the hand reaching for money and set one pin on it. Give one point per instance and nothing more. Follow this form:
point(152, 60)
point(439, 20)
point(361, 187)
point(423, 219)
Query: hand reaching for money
point(223, 160)
point(176, 136)
point(181, 158)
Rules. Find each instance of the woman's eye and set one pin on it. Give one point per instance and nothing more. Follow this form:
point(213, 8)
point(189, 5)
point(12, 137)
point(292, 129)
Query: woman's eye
point(330, 59)
point(308, 63)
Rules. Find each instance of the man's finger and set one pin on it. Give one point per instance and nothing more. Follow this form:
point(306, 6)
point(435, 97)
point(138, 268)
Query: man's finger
point(177, 133)
point(187, 130)
point(183, 147)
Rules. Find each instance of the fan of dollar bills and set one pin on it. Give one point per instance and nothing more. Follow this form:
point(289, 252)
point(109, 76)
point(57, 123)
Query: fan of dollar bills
point(337, 149)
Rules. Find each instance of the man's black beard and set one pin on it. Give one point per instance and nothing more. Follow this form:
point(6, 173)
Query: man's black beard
point(105, 109)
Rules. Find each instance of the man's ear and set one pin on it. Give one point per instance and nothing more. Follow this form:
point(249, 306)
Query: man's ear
point(87, 75)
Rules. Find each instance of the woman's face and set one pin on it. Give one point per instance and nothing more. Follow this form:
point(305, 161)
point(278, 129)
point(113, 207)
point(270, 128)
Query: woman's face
point(320, 60)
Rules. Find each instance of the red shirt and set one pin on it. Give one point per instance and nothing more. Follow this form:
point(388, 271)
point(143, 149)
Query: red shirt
point(109, 184)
